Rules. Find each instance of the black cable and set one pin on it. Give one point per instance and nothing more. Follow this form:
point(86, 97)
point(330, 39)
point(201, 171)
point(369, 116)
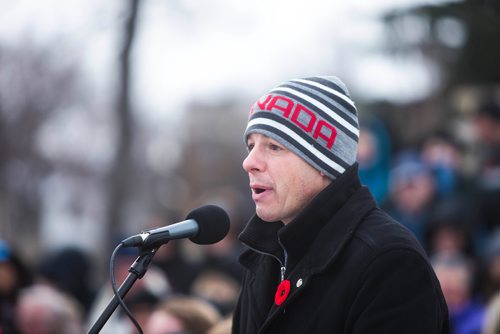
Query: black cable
point(115, 290)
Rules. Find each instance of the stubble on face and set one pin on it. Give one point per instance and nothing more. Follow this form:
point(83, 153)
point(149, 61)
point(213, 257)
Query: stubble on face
point(282, 183)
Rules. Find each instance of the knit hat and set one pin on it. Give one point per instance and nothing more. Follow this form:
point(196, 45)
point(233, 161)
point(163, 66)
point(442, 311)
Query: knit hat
point(313, 117)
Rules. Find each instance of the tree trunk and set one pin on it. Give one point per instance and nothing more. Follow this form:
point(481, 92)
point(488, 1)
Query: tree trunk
point(121, 170)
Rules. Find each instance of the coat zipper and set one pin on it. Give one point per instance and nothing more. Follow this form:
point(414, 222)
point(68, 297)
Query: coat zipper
point(285, 257)
point(282, 265)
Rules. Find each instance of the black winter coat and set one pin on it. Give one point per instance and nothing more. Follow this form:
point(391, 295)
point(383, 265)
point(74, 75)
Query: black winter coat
point(352, 269)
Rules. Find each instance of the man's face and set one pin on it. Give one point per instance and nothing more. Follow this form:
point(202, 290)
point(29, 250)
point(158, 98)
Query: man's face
point(282, 183)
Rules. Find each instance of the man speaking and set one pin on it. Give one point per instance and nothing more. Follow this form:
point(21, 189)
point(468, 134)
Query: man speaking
point(322, 257)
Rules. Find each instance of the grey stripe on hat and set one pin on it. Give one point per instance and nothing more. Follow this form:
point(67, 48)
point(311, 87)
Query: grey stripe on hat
point(292, 93)
point(292, 145)
point(337, 92)
point(331, 97)
point(304, 145)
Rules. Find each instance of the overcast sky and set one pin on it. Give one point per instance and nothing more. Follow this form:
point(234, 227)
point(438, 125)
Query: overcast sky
point(218, 48)
point(201, 49)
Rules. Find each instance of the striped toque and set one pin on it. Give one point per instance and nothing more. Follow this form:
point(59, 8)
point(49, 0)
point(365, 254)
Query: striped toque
point(313, 117)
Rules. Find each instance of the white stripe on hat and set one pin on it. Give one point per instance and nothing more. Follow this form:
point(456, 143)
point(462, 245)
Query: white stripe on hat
point(320, 105)
point(328, 89)
point(298, 139)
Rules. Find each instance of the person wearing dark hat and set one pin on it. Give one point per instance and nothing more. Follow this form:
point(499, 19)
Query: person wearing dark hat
point(322, 257)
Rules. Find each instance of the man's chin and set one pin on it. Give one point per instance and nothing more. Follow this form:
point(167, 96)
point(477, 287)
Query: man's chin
point(266, 216)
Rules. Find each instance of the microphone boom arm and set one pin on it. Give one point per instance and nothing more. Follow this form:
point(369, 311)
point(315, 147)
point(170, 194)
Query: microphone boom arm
point(136, 271)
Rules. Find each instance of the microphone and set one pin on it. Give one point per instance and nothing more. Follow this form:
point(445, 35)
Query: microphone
point(205, 225)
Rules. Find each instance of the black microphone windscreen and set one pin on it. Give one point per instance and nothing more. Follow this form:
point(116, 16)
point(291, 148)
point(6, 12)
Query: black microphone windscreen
point(213, 224)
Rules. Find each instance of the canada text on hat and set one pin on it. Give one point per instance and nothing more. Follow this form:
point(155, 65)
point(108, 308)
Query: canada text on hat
point(313, 117)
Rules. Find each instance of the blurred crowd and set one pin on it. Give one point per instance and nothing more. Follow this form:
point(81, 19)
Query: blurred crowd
point(184, 291)
point(447, 192)
point(453, 212)
point(187, 289)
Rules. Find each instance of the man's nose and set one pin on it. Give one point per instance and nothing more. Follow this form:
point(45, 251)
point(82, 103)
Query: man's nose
point(253, 162)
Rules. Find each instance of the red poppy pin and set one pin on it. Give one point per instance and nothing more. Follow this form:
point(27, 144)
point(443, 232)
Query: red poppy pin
point(282, 292)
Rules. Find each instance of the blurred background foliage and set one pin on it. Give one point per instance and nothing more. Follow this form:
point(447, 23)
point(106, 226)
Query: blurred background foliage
point(82, 167)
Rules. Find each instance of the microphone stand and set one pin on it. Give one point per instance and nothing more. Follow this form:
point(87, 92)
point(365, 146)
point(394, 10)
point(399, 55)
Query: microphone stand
point(136, 271)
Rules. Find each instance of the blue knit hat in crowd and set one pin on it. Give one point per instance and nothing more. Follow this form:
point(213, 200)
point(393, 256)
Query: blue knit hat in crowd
point(313, 117)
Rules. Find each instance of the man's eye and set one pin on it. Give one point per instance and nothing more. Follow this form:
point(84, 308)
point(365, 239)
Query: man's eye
point(250, 147)
point(275, 147)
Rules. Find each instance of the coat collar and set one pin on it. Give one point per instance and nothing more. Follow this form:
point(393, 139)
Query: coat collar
point(302, 236)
